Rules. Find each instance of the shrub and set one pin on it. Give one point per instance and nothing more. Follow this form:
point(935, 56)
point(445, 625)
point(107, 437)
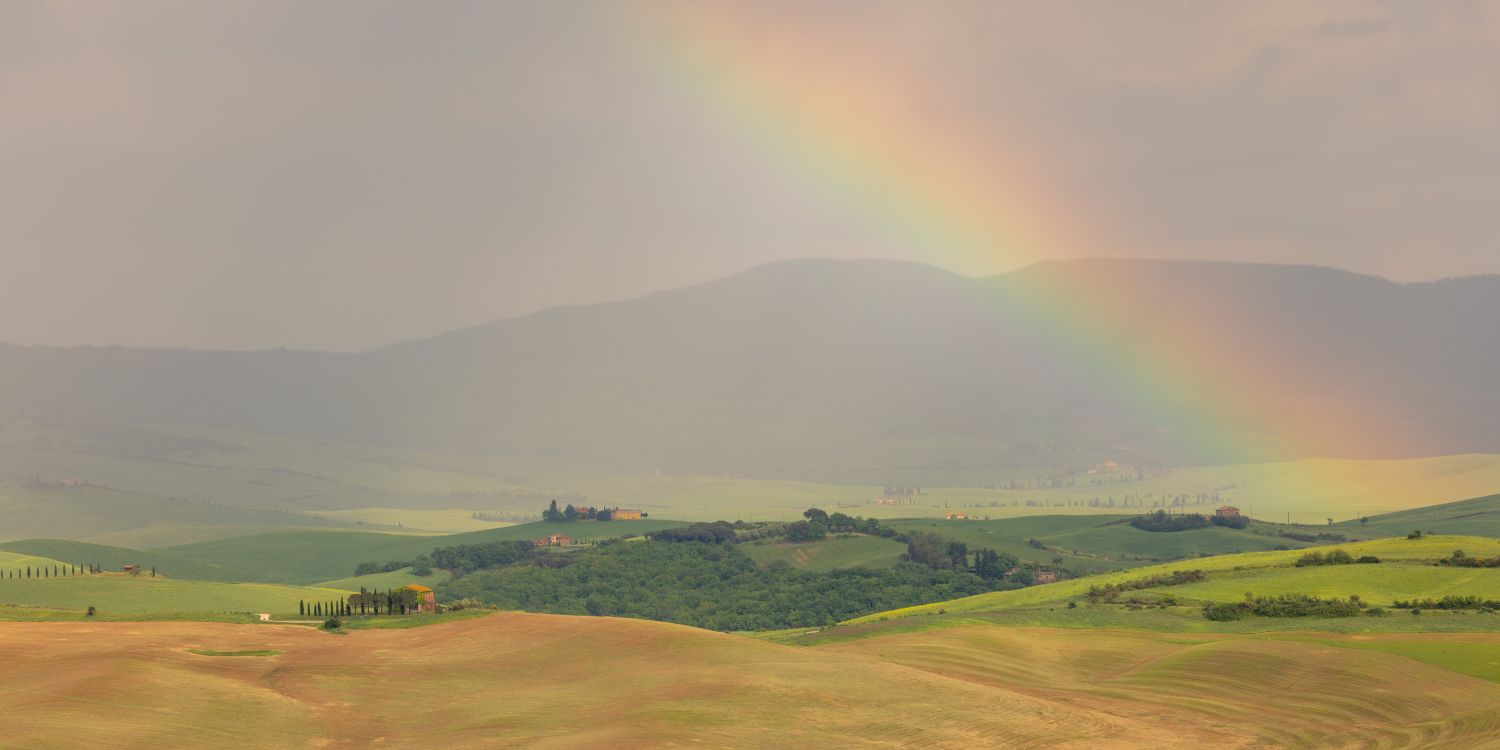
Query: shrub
point(333, 623)
point(1282, 605)
point(1335, 557)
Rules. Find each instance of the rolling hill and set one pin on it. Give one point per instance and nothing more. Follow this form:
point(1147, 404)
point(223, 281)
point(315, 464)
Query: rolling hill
point(870, 364)
point(1406, 571)
point(496, 681)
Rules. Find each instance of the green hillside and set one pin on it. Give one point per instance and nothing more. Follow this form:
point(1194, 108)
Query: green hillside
point(112, 558)
point(1401, 574)
point(835, 552)
point(306, 556)
point(118, 593)
point(1477, 517)
point(1092, 544)
point(392, 580)
point(13, 562)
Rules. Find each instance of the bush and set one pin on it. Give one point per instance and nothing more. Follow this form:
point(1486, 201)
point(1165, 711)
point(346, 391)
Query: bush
point(332, 623)
point(91, 612)
point(1282, 605)
point(1175, 578)
point(1367, 560)
point(1335, 557)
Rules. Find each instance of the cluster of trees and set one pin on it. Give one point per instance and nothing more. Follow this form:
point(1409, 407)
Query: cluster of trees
point(467, 558)
point(1450, 602)
point(940, 553)
point(718, 532)
point(369, 568)
point(1333, 557)
point(1163, 521)
point(390, 602)
point(1109, 591)
point(459, 558)
point(578, 513)
point(1231, 522)
point(708, 585)
point(818, 524)
point(1283, 605)
point(1461, 560)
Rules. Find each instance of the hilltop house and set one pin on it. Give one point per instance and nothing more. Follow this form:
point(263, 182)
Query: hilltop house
point(553, 540)
point(1228, 511)
point(426, 601)
point(957, 516)
point(624, 514)
point(131, 569)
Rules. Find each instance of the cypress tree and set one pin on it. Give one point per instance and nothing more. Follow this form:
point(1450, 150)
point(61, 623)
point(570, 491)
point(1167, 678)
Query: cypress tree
point(301, 608)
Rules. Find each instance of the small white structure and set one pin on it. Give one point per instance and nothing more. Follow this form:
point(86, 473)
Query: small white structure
point(264, 616)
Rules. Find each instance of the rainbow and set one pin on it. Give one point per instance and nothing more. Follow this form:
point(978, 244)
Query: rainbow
point(930, 184)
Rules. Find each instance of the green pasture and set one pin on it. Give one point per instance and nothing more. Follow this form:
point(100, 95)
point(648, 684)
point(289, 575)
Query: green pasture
point(1376, 584)
point(1266, 564)
point(117, 593)
point(383, 581)
point(113, 558)
point(440, 521)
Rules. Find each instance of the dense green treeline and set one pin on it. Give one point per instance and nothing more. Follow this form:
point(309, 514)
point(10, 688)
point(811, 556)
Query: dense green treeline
point(706, 585)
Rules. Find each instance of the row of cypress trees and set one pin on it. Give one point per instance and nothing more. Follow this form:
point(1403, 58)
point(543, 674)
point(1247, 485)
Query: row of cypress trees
point(369, 602)
point(58, 571)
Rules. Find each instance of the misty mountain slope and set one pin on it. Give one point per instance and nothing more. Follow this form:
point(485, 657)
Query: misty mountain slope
point(809, 365)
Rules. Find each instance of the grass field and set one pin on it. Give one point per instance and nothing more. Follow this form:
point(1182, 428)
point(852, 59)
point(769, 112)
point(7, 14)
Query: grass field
point(1260, 572)
point(1376, 584)
point(112, 558)
point(16, 563)
point(439, 521)
point(495, 681)
point(117, 593)
point(1476, 517)
point(382, 581)
point(831, 553)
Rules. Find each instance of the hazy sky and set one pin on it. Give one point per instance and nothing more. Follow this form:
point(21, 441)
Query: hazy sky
point(348, 174)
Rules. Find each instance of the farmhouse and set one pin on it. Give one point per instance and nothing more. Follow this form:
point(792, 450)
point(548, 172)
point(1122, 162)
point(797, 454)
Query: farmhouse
point(553, 540)
point(1046, 576)
point(426, 601)
point(624, 514)
point(955, 516)
point(1228, 511)
point(131, 569)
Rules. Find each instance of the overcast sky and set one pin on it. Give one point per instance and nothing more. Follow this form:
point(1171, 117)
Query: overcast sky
point(344, 175)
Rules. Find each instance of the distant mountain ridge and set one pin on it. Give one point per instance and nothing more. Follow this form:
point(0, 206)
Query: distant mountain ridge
point(813, 365)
